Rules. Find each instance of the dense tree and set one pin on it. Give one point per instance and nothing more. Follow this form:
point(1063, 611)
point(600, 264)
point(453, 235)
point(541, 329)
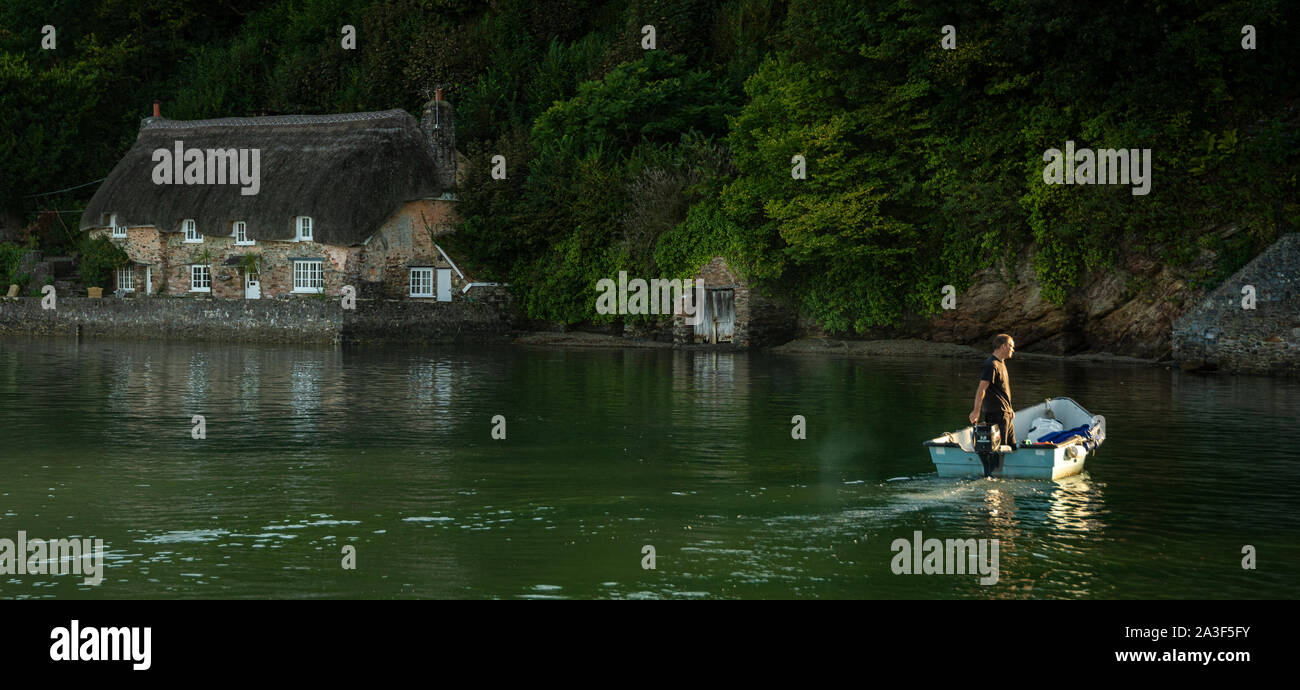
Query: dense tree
point(923, 164)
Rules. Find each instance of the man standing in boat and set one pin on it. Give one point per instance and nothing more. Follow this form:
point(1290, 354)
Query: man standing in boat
point(993, 397)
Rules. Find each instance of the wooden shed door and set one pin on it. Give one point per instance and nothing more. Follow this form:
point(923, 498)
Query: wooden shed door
point(717, 316)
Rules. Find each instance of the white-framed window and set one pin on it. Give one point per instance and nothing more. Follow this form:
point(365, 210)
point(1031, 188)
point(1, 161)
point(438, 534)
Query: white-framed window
point(304, 229)
point(118, 230)
point(422, 282)
point(126, 279)
point(308, 275)
point(191, 232)
point(200, 278)
point(241, 234)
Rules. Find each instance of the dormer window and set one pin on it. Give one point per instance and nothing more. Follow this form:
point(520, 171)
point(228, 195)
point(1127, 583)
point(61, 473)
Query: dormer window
point(118, 229)
point(304, 229)
point(241, 233)
point(191, 232)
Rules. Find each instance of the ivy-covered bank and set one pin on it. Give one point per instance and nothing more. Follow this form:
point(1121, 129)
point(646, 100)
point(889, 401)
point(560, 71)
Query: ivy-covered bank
point(921, 166)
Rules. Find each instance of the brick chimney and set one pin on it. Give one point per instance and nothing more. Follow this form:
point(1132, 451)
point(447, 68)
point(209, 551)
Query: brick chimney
point(157, 109)
point(439, 126)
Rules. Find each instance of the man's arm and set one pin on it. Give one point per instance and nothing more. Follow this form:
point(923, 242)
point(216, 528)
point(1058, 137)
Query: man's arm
point(979, 399)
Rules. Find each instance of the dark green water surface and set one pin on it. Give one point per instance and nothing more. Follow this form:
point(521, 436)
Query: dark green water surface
point(390, 450)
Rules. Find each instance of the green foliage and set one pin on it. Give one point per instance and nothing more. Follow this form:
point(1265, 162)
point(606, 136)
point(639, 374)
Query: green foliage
point(68, 114)
point(845, 238)
point(593, 185)
point(10, 257)
point(250, 262)
point(99, 259)
point(707, 232)
point(924, 165)
point(654, 99)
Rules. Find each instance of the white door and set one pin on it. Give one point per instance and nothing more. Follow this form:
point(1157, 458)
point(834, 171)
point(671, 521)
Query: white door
point(444, 285)
point(252, 286)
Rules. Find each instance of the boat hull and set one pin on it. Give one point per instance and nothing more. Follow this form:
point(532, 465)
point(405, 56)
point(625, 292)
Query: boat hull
point(953, 454)
point(1024, 463)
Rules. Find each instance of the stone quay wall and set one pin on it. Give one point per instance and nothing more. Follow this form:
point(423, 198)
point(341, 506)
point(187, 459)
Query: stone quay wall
point(1221, 333)
point(311, 320)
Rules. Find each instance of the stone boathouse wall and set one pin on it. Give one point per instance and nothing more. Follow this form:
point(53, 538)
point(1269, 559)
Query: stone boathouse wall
point(760, 321)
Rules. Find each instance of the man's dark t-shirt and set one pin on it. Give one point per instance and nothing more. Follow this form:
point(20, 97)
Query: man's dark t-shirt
point(997, 397)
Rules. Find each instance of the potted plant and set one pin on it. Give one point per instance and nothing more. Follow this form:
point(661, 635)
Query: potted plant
point(99, 259)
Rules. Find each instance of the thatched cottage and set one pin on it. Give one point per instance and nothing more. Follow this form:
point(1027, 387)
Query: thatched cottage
point(286, 206)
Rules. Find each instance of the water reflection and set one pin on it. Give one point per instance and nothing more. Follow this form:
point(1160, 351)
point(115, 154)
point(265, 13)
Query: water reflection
point(388, 449)
point(999, 515)
point(1077, 505)
point(419, 379)
point(305, 386)
point(250, 384)
point(196, 382)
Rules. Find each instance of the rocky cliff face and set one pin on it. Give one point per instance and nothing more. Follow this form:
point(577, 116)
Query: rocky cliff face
point(1129, 310)
point(1126, 311)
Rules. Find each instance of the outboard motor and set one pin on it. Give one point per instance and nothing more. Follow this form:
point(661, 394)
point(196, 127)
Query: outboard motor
point(988, 438)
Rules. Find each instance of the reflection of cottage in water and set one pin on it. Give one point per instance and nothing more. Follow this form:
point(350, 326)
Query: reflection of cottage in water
point(731, 312)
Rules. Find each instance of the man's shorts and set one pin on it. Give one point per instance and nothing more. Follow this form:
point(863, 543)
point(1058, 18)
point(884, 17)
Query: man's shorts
point(1006, 425)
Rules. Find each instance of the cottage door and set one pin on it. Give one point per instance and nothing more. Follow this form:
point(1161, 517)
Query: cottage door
point(444, 285)
point(252, 286)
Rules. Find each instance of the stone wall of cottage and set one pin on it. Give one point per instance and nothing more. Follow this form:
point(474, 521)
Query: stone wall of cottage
point(169, 258)
point(144, 246)
point(381, 269)
point(405, 241)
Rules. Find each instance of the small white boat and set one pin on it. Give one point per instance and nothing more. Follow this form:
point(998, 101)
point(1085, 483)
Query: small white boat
point(954, 453)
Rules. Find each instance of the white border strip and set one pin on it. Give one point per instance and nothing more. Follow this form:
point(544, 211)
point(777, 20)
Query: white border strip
point(470, 285)
point(448, 258)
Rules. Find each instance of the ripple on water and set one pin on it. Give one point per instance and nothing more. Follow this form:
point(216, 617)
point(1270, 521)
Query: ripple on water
point(184, 536)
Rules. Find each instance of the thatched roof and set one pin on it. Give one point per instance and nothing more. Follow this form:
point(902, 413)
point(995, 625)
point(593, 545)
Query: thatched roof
point(349, 172)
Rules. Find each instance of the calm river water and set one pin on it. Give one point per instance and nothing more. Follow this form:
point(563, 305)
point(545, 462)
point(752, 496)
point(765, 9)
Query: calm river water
point(390, 450)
